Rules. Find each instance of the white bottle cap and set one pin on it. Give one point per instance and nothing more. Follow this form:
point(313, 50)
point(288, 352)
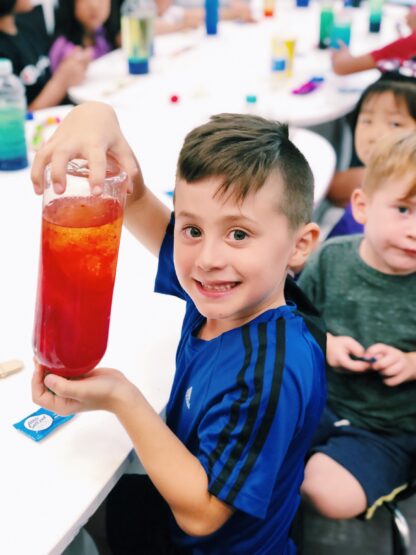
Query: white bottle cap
point(6, 67)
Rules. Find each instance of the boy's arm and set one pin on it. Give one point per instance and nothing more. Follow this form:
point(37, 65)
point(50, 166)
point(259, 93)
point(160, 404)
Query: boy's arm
point(70, 72)
point(91, 131)
point(177, 474)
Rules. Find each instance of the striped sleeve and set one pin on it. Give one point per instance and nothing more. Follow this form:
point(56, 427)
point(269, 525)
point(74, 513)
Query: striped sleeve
point(166, 279)
point(244, 436)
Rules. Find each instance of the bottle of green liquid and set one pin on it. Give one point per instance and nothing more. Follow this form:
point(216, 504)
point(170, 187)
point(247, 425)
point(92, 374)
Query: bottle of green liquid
point(13, 152)
point(376, 13)
point(326, 23)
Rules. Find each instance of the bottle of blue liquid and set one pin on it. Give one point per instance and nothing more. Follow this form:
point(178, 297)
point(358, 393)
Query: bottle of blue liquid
point(211, 16)
point(13, 152)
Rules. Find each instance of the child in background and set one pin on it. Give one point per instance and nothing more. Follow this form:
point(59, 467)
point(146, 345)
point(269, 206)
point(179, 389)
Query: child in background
point(402, 49)
point(92, 25)
point(386, 107)
point(181, 15)
point(364, 287)
point(249, 385)
point(26, 45)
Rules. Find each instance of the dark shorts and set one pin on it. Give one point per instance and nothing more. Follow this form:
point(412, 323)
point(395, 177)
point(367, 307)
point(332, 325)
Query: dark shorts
point(383, 464)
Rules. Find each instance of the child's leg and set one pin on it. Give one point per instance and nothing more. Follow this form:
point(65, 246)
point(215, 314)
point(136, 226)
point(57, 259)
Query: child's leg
point(352, 470)
point(332, 489)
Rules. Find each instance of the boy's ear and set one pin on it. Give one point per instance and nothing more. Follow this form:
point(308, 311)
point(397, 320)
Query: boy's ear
point(306, 242)
point(359, 203)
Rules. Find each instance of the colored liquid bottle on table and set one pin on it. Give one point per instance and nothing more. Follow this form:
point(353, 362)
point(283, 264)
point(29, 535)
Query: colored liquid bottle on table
point(326, 23)
point(77, 268)
point(211, 16)
point(137, 32)
point(13, 152)
point(376, 14)
point(269, 8)
point(341, 29)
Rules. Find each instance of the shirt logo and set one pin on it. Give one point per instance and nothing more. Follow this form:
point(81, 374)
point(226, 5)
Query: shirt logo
point(31, 73)
point(188, 397)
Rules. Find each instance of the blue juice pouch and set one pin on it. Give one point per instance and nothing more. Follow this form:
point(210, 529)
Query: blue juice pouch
point(41, 423)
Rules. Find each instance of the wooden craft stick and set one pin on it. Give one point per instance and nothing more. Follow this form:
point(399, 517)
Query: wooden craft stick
point(10, 367)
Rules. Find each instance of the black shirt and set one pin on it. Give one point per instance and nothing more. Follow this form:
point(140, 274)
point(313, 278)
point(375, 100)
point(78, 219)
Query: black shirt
point(28, 51)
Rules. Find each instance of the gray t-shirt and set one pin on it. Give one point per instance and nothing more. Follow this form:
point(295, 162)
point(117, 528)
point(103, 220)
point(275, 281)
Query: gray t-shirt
point(371, 307)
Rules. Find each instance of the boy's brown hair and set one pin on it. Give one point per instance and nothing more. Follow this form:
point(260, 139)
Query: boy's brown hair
point(244, 150)
point(392, 157)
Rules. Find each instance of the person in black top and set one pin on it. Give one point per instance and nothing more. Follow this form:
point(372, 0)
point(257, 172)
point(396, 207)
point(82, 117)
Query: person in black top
point(25, 42)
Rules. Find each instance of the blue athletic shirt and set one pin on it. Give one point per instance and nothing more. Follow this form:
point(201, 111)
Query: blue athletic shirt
point(246, 404)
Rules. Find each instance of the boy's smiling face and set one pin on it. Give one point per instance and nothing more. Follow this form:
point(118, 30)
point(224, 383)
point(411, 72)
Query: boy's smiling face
point(389, 243)
point(232, 257)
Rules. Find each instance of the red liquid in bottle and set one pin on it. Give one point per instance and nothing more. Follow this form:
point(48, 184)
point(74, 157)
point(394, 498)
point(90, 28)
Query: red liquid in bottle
point(80, 240)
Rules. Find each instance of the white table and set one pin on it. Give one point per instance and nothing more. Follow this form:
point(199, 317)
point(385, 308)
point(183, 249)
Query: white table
point(50, 489)
point(214, 74)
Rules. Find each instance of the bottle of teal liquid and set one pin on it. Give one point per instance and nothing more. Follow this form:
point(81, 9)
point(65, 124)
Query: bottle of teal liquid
point(376, 14)
point(13, 151)
point(326, 23)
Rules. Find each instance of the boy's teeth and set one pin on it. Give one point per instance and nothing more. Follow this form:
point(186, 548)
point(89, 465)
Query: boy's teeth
point(225, 287)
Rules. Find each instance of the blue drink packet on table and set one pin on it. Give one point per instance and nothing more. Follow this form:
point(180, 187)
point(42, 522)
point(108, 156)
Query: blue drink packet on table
point(41, 423)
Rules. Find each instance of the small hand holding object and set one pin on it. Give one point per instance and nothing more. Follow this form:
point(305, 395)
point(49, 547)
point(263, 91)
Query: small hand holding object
point(341, 58)
point(394, 365)
point(89, 131)
point(101, 389)
point(345, 352)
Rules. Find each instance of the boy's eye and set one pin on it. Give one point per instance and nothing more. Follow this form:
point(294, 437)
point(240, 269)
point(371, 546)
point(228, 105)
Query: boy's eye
point(396, 124)
point(192, 232)
point(238, 234)
point(403, 209)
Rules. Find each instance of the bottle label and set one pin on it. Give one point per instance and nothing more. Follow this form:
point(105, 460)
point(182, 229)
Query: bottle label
point(278, 64)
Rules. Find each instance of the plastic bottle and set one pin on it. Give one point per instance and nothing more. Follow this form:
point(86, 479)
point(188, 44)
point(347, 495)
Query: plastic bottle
point(326, 23)
point(376, 13)
point(137, 31)
point(13, 152)
point(269, 8)
point(77, 268)
point(211, 16)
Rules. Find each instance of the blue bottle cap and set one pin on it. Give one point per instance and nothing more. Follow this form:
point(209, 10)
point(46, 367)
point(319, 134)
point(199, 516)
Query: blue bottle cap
point(251, 98)
point(138, 67)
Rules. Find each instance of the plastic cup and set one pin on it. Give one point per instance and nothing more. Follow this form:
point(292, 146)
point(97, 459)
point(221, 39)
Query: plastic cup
point(341, 31)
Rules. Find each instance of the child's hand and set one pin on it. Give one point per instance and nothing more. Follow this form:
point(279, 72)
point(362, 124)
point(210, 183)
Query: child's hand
point(339, 350)
point(90, 131)
point(341, 59)
point(394, 365)
point(242, 11)
point(193, 18)
point(101, 389)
